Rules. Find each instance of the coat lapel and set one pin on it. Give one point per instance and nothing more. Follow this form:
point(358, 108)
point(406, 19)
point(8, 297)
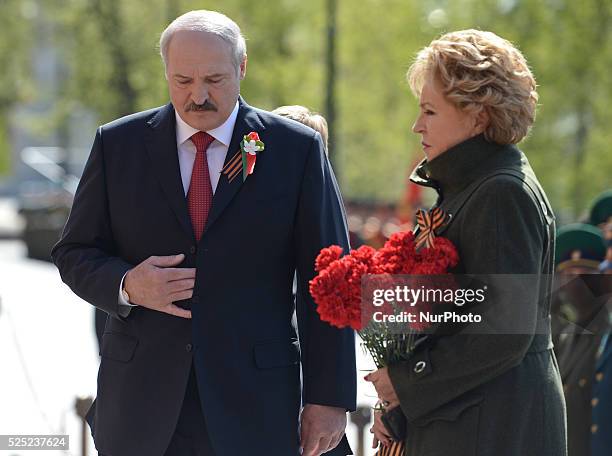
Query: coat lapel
point(246, 122)
point(161, 147)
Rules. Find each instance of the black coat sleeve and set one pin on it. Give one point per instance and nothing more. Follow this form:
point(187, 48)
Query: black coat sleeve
point(328, 353)
point(85, 254)
point(501, 232)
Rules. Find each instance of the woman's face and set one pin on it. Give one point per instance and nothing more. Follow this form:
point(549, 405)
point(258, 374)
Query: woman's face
point(440, 123)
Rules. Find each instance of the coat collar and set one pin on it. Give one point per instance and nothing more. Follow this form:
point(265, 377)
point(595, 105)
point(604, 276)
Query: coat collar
point(462, 164)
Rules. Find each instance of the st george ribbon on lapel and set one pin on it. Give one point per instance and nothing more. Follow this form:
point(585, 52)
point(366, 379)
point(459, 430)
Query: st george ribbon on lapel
point(428, 222)
point(200, 194)
point(233, 166)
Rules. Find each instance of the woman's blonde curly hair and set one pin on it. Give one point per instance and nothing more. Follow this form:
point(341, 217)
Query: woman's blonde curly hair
point(481, 71)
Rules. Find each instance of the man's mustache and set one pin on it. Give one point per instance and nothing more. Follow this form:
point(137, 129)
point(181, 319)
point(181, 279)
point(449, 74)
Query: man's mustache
point(206, 106)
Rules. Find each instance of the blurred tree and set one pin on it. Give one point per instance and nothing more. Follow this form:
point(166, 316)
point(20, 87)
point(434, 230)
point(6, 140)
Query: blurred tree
point(377, 41)
point(568, 46)
point(331, 75)
point(110, 49)
point(110, 24)
point(15, 83)
point(113, 68)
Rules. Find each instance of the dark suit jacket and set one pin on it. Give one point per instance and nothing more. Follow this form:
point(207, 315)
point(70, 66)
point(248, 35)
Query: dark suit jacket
point(496, 394)
point(130, 205)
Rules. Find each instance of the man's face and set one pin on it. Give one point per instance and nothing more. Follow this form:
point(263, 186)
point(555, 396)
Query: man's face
point(203, 81)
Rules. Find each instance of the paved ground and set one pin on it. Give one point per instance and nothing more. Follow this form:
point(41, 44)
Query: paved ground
point(48, 352)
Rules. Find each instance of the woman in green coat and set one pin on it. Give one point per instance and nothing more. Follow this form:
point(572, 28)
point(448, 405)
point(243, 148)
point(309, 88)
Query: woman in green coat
point(482, 394)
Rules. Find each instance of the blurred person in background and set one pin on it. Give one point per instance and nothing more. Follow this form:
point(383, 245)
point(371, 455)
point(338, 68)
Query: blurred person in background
point(600, 220)
point(188, 234)
point(600, 212)
point(582, 346)
point(306, 117)
point(600, 215)
point(318, 123)
point(605, 267)
point(481, 394)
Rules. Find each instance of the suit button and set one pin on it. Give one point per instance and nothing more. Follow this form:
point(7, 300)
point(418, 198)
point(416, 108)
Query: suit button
point(594, 429)
point(420, 367)
point(188, 347)
point(594, 401)
point(192, 249)
point(195, 299)
point(599, 376)
point(582, 382)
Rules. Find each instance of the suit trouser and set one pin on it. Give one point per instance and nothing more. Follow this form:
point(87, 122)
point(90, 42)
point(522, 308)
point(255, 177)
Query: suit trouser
point(190, 437)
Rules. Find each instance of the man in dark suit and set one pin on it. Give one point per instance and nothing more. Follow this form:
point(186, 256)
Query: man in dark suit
point(192, 251)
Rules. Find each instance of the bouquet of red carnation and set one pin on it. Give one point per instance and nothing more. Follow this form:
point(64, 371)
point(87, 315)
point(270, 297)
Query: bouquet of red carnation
point(337, 288)
point(337, 291)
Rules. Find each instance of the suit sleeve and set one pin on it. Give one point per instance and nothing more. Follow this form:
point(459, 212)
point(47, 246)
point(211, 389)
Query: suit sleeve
point(85, 254)
point(502, 233)
point(328, 353)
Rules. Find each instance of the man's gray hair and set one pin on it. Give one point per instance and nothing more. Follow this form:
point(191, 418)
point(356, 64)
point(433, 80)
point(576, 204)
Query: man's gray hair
point(210, 22)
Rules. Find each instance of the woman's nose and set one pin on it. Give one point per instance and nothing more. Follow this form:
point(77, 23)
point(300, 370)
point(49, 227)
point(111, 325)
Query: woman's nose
point(417, 126)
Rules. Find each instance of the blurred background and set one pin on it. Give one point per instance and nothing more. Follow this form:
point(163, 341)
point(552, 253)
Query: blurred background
point(69, 66)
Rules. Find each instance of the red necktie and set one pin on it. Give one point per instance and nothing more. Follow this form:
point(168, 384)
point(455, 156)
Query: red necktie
point(200, 194)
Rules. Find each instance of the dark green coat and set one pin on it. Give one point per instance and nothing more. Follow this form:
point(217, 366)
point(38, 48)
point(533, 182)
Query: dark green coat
point(484, 394)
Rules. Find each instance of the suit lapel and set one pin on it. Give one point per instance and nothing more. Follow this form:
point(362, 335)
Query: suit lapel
point(246, 122)
point(161, 147)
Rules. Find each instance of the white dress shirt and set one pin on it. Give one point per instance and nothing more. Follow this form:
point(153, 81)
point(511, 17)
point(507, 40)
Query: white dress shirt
point(215, 155)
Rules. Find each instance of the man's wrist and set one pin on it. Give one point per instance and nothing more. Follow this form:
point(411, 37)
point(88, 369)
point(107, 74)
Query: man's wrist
point(124, 297)
point(125, 294)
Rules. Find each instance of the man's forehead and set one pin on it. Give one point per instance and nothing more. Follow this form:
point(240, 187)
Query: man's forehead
point(197, 54)
point(198, 71)
point(185, 41)
point(202, 64)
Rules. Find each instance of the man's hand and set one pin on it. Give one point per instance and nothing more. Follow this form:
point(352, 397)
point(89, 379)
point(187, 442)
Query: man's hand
point(384, 388)
point(156, 284)
point(322, 428)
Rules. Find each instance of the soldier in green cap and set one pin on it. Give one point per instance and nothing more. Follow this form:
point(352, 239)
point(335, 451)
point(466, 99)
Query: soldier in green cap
point(601, 210)
point(600, 215)
point(580, 248)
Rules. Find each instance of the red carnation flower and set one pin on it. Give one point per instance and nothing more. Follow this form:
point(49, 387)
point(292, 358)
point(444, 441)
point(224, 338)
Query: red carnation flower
point(443, 255)
point(327, 256)
point(337, 288)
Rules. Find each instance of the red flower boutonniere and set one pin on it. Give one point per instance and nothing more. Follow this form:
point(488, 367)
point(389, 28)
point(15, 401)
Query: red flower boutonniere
point(245, 158)
point(251, 145)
